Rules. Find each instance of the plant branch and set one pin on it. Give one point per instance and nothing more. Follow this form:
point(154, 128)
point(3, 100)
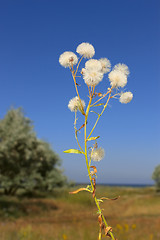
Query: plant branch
point(104, 107)
point(78, 65)
point(100, 98)
point(75, 83)
point(76, 132)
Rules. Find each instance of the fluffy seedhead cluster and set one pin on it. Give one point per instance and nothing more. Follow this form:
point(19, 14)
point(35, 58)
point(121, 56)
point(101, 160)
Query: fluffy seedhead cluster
point(95, 69)
point(93, 72)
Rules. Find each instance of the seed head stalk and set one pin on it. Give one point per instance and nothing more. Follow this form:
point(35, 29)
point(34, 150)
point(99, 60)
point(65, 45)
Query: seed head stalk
point(86, 156)
point(75, 128)
point(75, 83)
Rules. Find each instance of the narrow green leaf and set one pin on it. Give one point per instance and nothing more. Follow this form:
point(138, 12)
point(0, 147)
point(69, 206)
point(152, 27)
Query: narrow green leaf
point(100, 104)
point(96, 113)
point(79, 190)
point(93, 138)
point(73, 151)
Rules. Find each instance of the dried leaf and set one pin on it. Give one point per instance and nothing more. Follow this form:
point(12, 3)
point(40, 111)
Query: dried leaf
point(93, 138)
point(94, 193)
point(79, 190)
point(81, 127)
point(100, 220)
point(73, 151)
point(94, 185)
point(100, 226)
point(112, 199)
point(107, 230)
point(94, 168)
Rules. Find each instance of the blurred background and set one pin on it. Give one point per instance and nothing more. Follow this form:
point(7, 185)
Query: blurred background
point(35, 122)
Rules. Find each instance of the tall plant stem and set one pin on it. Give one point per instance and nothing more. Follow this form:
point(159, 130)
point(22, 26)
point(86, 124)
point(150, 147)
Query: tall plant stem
point(87, 162)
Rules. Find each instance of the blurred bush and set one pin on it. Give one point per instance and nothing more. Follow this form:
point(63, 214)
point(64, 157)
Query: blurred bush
point(26, 162)
point(156, 177)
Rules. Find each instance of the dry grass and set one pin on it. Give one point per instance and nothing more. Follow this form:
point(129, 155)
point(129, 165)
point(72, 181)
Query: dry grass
point(135, 215)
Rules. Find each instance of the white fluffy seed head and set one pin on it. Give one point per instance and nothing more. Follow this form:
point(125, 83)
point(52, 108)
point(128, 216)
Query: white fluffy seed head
point(97, 154)
point(74, 104)
point(86, 50)
point(67, 59)
point(106, 65)
point(122, 68)
point(93, 64)
point(92, 77)
point(117, 78)
point(126, 97)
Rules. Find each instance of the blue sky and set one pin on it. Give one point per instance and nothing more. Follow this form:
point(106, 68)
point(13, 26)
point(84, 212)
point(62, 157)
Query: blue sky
point(32, 36)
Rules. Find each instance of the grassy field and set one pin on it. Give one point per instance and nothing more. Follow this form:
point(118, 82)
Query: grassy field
point(134, 216)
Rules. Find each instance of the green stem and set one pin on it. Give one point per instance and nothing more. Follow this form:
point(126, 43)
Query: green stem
point(86, 157)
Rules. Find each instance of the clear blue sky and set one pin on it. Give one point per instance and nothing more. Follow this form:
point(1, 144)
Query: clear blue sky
point(32, 36)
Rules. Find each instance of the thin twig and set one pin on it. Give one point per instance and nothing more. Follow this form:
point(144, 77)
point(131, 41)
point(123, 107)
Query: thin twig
point(76, 132)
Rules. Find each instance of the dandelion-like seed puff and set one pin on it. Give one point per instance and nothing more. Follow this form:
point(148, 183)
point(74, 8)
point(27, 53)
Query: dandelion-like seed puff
point(122, 68)
point(68, 59)
point(126, 97)
point(106, 65)
point(117, 78)
point(86, 50)
point(93, 64)
point(97, 154)
point(74, 104)
point(92, 77)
